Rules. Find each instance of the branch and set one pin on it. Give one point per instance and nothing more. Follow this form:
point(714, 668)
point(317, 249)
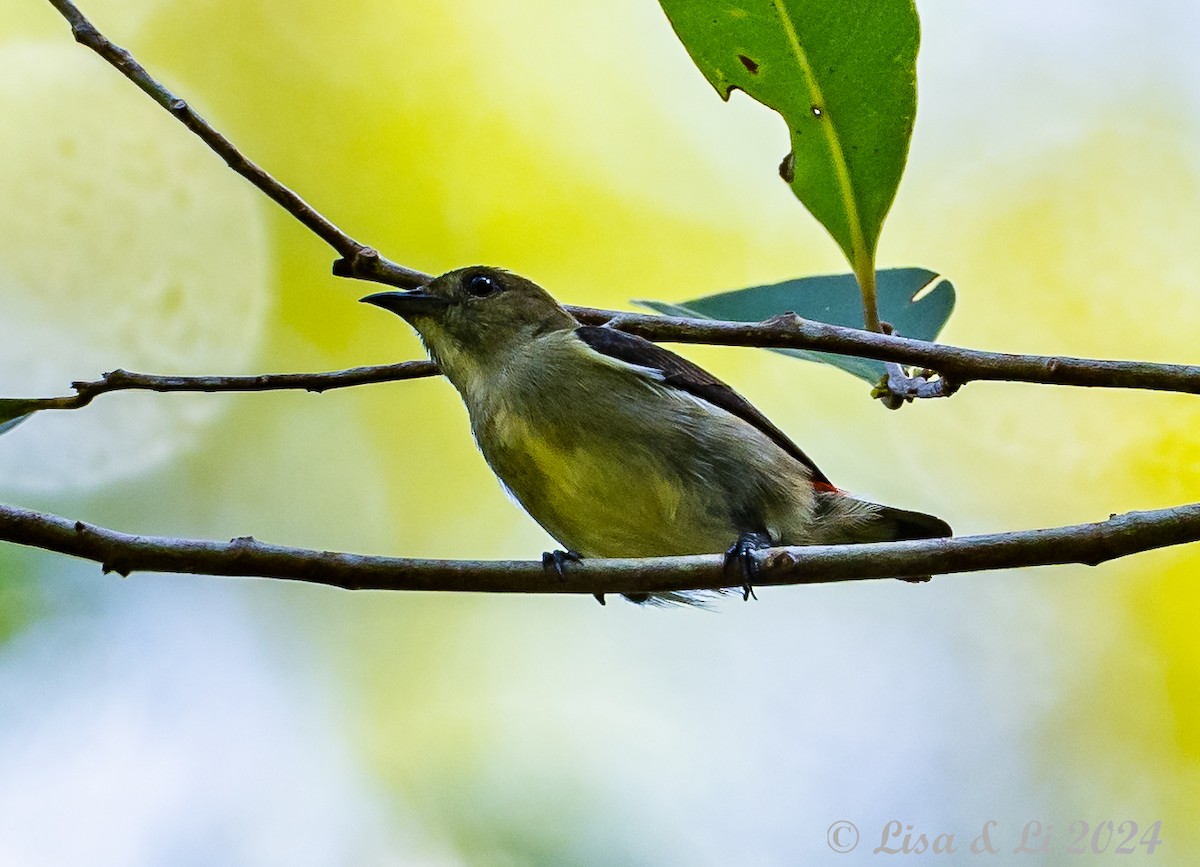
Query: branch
point(956, 364)
point(357, 260)
point(124, 380)
point(1092, 544)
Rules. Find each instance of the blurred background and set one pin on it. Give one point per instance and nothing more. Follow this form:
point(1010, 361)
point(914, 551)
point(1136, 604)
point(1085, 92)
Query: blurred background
point(190, 720)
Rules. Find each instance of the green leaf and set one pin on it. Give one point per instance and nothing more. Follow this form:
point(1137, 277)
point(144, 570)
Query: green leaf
point(916, 302)
point(842, 73)
point(13, 411)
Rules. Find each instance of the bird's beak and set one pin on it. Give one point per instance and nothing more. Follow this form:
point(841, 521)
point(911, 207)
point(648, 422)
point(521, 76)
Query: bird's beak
point(406, 304)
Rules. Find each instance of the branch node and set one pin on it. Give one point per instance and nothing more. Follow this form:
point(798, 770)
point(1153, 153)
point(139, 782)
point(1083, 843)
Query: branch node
point(898, 387)
point(787, 319)
point(357, 263)
point(178, 106)
point(776, 560)
point(80, 527)
point(85, 33)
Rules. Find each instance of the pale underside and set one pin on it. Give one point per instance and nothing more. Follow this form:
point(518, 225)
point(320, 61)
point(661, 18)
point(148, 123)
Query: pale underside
point(623, 465)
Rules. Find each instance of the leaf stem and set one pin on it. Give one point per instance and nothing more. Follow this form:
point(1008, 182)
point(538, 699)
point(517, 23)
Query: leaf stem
point(864, 271)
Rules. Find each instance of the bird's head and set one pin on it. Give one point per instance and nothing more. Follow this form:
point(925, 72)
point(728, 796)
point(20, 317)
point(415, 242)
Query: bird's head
point(470, 318)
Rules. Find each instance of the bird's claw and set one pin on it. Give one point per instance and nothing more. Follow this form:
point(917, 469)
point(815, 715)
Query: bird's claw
point(740, 561)
point(555, 561)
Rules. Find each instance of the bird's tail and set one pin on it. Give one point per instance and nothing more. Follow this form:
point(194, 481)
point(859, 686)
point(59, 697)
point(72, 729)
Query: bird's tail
point(898, 524)
point(844, 520)
point(841, 520)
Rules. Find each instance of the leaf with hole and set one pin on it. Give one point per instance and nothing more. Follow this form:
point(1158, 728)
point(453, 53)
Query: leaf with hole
point(914, 301)
point(842, 73)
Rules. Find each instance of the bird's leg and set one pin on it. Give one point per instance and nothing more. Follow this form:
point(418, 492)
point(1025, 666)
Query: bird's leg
point(739, 560)
point(554, 561)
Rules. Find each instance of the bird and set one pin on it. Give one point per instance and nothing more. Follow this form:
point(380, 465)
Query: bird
point(618, 447)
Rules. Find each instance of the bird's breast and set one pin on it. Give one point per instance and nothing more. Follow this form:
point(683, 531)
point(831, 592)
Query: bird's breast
point(613, 462)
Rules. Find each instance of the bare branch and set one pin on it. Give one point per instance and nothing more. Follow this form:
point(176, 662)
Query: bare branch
point(1092, 544)
point(357, 260)
point(956, 365)
point(123, 380)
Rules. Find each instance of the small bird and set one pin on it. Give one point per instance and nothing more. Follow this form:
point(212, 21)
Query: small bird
point(620, 448)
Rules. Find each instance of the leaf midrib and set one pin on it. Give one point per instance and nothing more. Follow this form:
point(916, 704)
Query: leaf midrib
point(840, 167)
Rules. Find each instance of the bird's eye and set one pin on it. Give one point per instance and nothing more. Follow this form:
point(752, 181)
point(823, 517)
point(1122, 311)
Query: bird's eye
point(481, 285)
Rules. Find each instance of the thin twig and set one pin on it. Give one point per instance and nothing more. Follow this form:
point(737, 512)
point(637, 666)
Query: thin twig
point(957, 366)
point(1092, 544)
point(122, 380)
point(357, 260)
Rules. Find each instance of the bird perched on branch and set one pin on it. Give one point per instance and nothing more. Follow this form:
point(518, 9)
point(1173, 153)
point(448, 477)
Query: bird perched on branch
point(620, 448)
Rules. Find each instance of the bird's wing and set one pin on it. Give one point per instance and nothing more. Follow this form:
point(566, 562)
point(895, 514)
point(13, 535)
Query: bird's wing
point(682, 374)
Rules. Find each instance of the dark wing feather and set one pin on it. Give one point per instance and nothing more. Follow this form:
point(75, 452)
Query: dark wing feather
point(680, 373)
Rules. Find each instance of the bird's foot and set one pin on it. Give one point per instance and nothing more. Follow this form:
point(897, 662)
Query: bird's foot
point(740, 562)
point(555, 561)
